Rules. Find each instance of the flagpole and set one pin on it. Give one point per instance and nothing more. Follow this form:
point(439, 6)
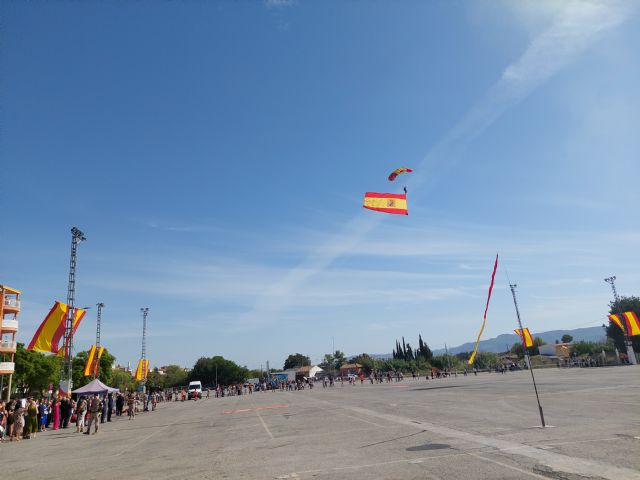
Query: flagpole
point(526, 354)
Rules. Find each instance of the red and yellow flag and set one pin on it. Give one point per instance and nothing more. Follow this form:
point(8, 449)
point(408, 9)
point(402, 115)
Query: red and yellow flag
point(632, 323)
point(486, 309)
point(395, 203)
point(88, 367)
point(93, 361)
point(51, 330)
point(42, 340)
point(77, 318)
point(143, 369)
point(616, 319)
point(525, 335)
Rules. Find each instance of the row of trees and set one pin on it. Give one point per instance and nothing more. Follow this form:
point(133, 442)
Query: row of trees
point(405, 352)
point(34, 372)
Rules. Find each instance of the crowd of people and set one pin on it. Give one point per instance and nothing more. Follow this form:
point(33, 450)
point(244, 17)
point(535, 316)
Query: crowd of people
point(22, 419)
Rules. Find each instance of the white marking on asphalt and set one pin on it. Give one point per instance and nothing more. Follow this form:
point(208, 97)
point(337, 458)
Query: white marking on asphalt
point(264, 424)
point(506, 465)
point(556, 461)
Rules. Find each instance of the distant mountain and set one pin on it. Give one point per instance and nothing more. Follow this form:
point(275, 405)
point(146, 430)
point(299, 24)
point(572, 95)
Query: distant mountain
point(501, 342)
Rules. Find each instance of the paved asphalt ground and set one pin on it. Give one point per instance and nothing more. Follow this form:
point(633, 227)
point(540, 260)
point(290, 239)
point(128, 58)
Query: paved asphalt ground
point(475, 427)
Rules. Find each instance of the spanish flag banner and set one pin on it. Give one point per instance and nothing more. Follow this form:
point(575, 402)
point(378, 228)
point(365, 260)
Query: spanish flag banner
point(525, 335)
point(616, 319)
point(42, 340)
point(486, 309)
point(394, 203)
point(89, 367)
point(632, 323)
point(92, 366)
point(143, 369)
point(77, 318)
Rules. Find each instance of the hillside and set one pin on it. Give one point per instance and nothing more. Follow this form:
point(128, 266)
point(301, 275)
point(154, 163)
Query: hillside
point(501, 342)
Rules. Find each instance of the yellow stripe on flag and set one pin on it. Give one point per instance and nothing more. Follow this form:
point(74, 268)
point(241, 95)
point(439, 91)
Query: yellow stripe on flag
point(633, 325)
point(88, 367)
point(385, 203)
point(616, 319)
point(525, 336)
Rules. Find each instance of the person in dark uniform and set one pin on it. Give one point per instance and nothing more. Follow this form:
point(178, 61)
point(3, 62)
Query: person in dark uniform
point(109, 406)
point(65, 411)
point(103, 407)
point(119, 404)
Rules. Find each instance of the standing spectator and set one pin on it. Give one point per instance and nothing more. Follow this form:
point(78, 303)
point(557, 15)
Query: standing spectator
point(10, 409)
point(109, 406)
point(18, 422)
point(66, 409)
point(3, 421)
point(103, 409)
point(119, 404)
point(56, 414)
point(131, 406)
point(32, 419)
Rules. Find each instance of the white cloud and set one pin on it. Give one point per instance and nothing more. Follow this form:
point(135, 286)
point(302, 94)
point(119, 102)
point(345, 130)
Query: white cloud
point(573, 28)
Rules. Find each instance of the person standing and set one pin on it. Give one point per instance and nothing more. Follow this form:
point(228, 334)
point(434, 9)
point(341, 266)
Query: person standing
point(131, 406)
point(10, 410)
point(81, 413)
point(109, 406)
point(32, 419)
point(103, 409)
point(65, 411)
point(119, 404)
point(18, 422)
point(94, 410)
point(56, 414)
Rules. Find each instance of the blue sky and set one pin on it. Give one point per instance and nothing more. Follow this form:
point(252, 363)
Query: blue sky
point(216, 154)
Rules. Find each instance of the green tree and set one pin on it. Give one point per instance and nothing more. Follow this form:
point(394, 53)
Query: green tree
point(518, 349)
point(626, 304)
point(175, 376)
point(208, 369)
point(485, 360)
point(339, 359)
point(34, 371)
point(296, 360)
point(566, 338)
point(423, 349)
point(123, 380)
point(368, 363)
point(327, 362)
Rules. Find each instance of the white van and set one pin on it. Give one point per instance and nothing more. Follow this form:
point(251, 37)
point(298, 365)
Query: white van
point(195, 388)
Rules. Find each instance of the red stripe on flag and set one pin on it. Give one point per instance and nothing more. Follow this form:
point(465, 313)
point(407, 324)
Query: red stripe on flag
point(400, 196)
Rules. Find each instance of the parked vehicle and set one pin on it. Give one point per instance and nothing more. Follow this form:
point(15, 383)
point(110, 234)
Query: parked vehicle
point(195, 388)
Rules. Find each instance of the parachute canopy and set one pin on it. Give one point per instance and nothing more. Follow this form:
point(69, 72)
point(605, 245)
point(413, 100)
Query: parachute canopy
point(397, 172)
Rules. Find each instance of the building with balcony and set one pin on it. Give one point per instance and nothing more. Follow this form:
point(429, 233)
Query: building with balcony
point(9, 311)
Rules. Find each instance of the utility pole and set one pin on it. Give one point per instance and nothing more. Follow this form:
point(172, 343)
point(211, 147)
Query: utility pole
point(618, 309)
point(96, 367)
point(67, 370)
point(526, 354)
point(145, 312)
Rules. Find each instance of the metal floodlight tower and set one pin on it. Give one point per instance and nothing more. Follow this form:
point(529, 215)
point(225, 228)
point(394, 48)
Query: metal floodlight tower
point(145, 312)
point(618, 309)
point(76, 237)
